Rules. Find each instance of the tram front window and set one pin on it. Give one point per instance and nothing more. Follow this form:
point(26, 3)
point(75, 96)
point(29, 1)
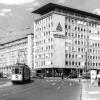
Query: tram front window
point(16, 71)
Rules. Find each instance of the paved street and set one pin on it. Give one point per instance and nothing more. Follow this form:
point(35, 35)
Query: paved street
point(42, 89)
point(89, 91)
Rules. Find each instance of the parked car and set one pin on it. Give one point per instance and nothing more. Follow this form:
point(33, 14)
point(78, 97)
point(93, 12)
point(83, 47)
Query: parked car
point(86, 76)
point(39, 74)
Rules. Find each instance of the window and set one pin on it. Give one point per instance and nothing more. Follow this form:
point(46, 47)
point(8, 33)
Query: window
point(66, 62)
point(66, 33)
point(16, 71)
point(69, 63)
point(78, 49)
point(73, 56)
point(73, 63)
point(79, 42)
point(66, 55)
point(72, 34)
point(69, 55)
point(75, 41)
point(79, 63)
point(81, 35)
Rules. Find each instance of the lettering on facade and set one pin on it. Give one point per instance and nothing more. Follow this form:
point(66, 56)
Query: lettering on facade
point(59, 28)
point(59, 36)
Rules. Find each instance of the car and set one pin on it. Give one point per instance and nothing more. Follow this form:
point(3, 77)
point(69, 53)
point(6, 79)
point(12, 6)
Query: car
point(86, 76)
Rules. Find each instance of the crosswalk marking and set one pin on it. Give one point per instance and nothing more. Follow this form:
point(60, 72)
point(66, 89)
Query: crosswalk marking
point(94, 92)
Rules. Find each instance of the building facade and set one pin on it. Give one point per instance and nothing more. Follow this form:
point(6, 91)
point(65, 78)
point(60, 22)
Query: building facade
point(17, 51)
point(66, 40)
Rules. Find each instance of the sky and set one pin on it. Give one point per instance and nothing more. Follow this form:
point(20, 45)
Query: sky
point(15, 15)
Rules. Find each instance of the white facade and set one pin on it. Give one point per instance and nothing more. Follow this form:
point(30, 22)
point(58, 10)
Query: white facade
point(48, 43)
point(18, 51)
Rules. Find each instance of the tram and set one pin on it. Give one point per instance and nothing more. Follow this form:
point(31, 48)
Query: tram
point(20, 73)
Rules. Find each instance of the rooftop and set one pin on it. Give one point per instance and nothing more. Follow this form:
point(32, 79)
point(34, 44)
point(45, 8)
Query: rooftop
point(51, 6)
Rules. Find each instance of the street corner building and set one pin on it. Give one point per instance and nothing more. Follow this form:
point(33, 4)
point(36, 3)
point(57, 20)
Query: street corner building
point(65, 40)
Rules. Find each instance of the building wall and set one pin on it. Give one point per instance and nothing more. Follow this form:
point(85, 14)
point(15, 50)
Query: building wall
point(59, 53)
point(76, 42)
point(43, 43)
point(82, 43)
point(82, 40)
point(12, 53)
point(58, 31)
point(18, 51)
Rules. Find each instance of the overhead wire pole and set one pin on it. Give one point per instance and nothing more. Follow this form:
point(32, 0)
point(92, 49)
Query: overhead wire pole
point(87, 47)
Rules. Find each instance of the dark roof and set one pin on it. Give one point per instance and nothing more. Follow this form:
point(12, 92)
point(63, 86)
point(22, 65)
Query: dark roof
point(51, 6)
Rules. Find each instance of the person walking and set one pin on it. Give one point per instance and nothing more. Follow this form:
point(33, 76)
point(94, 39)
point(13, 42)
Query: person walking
point(98, 78)
point(62, 76)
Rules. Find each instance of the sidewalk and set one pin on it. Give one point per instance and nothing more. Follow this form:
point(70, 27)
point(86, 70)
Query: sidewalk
point(89, 91)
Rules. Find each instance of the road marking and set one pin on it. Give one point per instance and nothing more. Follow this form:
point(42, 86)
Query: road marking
point(84, 98)
point(6, 84)
point(94, 92)
point(58, 87)
point(47, 80)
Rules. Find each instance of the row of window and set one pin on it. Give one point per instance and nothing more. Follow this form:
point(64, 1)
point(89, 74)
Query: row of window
point(73, 63)
point(82, 22)
point(43, 63)
point(75, 28)
point(76, 49)
point(95, 44)
point(75, 56)
point(80, 56)
point(75, 35)
point(44, 55)
point(42, 35)
point(77, 64)
point(95, 51)
point(44, 27)
point(44, 48)
point(44, 20)
point(43, 41)
point(82, 29)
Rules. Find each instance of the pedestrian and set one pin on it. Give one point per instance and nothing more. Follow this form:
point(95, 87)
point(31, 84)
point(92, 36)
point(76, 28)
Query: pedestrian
point(79, 78)
point(98, 78)
point(62, 76)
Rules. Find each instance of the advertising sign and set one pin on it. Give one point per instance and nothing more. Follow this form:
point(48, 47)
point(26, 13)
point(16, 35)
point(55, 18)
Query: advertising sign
point(93, 76)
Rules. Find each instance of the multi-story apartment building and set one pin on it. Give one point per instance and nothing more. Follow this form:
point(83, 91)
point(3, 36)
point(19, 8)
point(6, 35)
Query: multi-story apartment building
point(65, 40)
point(19, 50)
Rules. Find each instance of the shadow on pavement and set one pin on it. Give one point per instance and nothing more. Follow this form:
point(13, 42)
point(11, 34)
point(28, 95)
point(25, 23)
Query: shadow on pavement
point(22, 83)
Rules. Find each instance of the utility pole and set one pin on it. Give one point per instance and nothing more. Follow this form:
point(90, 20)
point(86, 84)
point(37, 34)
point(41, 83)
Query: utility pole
point(87, 47)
